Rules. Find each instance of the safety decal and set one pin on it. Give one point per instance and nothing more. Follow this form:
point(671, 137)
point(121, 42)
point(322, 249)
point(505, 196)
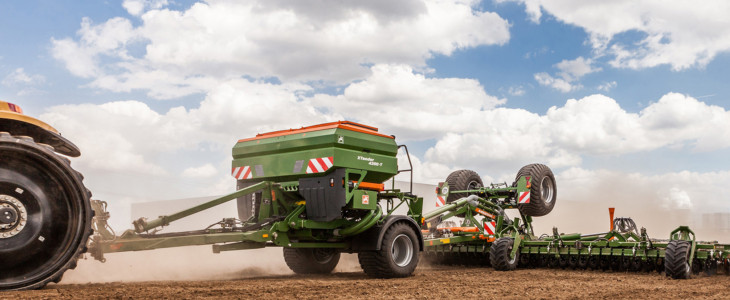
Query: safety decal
point(524, 198)
point(365, 199)
point(319, 165)
point(440, 201)
point(489, 227)
point(242, 172)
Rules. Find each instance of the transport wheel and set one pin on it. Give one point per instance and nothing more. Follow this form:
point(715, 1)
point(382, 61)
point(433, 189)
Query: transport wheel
point(398, 254)
point(462, 180)
point(676, 260)
point(543, 190)
point(499, 254)
point(311, 260)
point(45, 215)
point(248, 205)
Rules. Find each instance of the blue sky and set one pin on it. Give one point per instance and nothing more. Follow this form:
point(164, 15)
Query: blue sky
point(156, 92)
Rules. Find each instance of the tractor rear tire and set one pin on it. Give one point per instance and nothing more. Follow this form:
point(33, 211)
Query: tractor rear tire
point(676, 260)
point(311, 260)
point(398, 254)
point(543, 190)
point(47, 214)
point(499, 254)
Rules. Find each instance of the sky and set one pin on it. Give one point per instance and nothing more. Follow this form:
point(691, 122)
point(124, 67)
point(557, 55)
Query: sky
point(627, 96)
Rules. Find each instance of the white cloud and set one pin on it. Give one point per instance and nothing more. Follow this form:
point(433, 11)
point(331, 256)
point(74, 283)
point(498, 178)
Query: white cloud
point(516, 90)
point(108, 40)
point(206, 170)
point(137, 7)
point(557, 83)
point(592, 126)
point(570, 71)
point(218, 40)
point(681, 34)
point(607, 86)
point(418, 107)
point(20, 77)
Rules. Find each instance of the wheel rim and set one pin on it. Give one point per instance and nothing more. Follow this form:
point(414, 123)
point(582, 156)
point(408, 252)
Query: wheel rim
point(13, 216)
point(402, 250)
point(547, 188)
point(473, 185)
point(45, 198)
point(323, 256)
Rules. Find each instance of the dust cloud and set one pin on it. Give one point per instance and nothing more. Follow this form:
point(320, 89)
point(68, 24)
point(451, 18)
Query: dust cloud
point(188, 264)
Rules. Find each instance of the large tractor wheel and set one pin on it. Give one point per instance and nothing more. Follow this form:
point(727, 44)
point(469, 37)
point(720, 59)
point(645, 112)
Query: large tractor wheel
point(45, 215)
point(543, 191)
point(462, 180)
point(676, 260)
point(311, 260)
point(499, 254)
point(398, 254)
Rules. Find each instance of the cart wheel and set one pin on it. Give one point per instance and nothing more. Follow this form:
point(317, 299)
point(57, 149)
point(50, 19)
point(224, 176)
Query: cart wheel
point(311, 260)
point(676, 260)
point(543, 191)
point(398, 254)
point(499, 254)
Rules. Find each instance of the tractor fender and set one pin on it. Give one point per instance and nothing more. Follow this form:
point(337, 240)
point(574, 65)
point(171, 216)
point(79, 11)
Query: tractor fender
point(371, 239)
point(14, 121)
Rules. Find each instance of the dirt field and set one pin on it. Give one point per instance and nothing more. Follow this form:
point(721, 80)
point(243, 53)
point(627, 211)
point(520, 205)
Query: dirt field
point(428, 283)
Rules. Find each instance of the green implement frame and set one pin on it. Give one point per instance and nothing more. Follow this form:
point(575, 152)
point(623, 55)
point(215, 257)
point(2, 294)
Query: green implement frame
point(625, 249)
point(280, 224)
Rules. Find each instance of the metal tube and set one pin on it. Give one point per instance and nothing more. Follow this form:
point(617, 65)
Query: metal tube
point(142, 225)
point(450, 206)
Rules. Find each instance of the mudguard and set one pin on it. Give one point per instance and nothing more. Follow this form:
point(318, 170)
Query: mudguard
point(14, 121)
point(371, 239)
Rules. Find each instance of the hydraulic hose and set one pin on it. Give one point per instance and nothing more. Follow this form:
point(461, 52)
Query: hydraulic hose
point(364, 224)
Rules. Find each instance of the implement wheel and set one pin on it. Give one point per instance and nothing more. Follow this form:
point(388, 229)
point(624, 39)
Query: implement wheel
point(462, 180)
point(311, 260)
point(543, 190)
point(45, 215)
point(499, 254)
point(676, 260)
point(398, 254)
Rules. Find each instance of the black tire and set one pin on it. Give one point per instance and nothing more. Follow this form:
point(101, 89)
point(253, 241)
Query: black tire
point(38, 187)
point(311, 260)
point(462, 180)
point(398, 254)
point(499, 254)
point(248, 205)
point(543, 190)
point(676, 260)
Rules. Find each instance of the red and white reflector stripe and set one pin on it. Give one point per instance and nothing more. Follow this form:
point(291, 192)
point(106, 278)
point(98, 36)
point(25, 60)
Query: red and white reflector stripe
point(489, 227)
point(319, 165)
point(242, 172)
point(440, 201)
point(524, 197)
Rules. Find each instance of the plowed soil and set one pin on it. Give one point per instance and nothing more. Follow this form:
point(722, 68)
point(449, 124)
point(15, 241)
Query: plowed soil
point(432, 282)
